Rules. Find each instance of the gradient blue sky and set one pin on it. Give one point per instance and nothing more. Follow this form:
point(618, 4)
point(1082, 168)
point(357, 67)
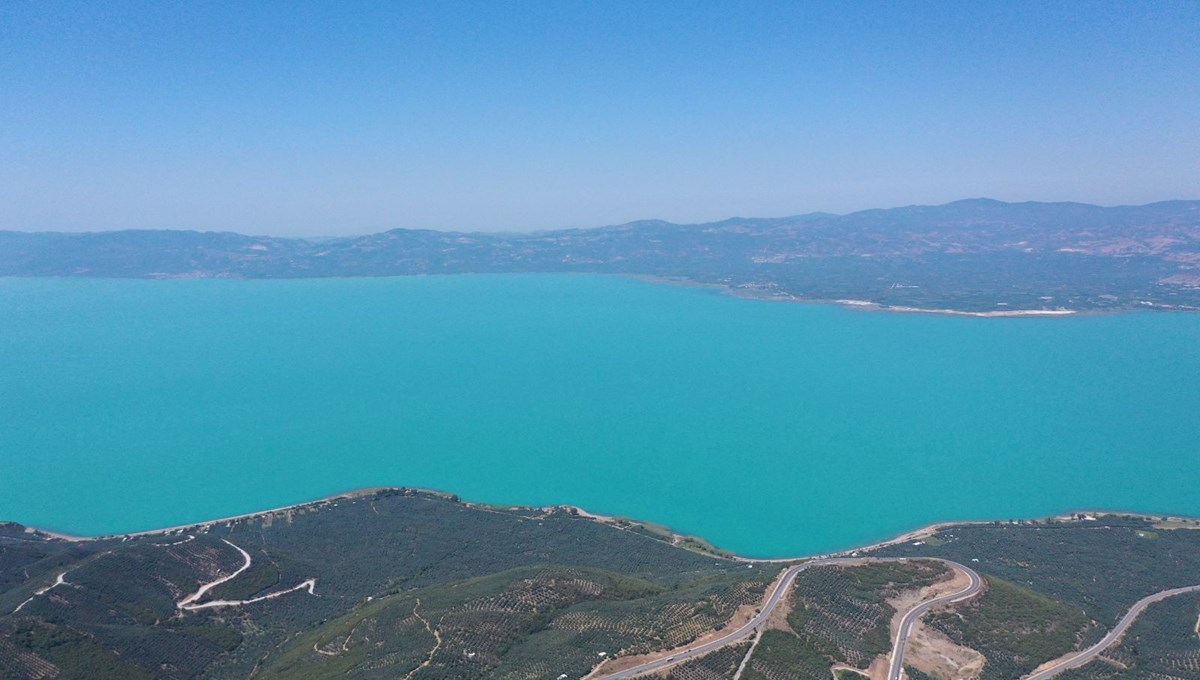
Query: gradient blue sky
point(351, 117)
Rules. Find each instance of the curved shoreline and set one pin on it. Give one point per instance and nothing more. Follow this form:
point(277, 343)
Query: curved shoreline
point(920, 532)
point(353, 493)
point(750, 293)
point(797, 564)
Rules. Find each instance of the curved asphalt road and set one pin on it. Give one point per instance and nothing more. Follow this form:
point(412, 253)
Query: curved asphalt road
point(915, 614)
point(1115, 634)
point(781, 589)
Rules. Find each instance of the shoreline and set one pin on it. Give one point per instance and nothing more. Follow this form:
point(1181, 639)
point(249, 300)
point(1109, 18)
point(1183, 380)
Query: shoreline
point(747, 293)
point(1000, 313)
point(673, 538)
point(331, 498)
point(870, 306)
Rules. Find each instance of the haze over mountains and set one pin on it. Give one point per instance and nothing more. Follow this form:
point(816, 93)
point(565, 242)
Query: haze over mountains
point(974, 255)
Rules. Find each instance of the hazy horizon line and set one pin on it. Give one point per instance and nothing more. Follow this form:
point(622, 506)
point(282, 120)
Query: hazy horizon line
point(469, 230)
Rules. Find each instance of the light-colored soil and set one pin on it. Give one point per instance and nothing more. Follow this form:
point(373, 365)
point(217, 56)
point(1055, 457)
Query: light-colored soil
point(189, 603)
point(737, 674)
point(878, 670)
point(1071, 655)
point(778, 618)
point(914, 535)
point(186, 603)
point(929, 650)
point(874, 306)
point(285, 510)
point(908, 599)
point(288, 513)
point(60, 581)
point(590, 515)
point(310, 585)
point(437, 637)
point(1178, 523)
point(1054, 662)
point(850, 669)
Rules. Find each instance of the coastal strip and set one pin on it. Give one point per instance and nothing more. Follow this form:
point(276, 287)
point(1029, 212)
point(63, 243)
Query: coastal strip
point(676, 538)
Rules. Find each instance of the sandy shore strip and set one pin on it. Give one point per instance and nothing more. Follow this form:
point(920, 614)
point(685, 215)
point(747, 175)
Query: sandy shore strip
point(205, 524)
point(751, 293)
point(926, 531)
point(875, 306)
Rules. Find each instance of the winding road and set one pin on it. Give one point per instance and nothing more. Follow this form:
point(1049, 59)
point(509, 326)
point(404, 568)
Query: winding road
point(896, 669)
point(189, 603)
point(781, 588)
point(1113, 636)
point(60, 581)
point(186, 603)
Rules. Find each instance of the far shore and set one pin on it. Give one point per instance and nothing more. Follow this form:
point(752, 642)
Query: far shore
point(868, 305)
point(915, 534)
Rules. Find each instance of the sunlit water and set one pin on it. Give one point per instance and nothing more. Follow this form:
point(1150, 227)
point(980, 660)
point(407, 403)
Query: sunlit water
point(769, 428)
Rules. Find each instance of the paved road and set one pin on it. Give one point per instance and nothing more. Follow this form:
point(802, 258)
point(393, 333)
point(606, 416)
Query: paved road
point(1113, 636)
point(760, 619)
point(915, 614)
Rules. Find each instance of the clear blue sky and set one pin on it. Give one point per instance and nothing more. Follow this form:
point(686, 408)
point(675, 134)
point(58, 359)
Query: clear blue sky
point(350, 117)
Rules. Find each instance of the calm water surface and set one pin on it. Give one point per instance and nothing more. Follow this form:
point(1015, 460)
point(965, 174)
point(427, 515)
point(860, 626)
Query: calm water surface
point(769, 428)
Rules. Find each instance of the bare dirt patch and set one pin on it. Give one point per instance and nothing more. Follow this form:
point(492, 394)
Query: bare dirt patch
point(850, 669)
point(906, 600)
point(878, 670)
point(778, 618)
point(1178, 523)
point(931, 652)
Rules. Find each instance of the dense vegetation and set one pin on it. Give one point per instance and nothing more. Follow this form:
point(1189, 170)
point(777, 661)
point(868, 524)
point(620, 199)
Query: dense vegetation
point(511, 593)
point(1014, 627)
point(839, 615)
point(417, 583)
point(845, 609)
point(1163, 643)
point(722, 663)
point(783, 655)
point(1055, 586)
point(528, 623)
point(1101, 566)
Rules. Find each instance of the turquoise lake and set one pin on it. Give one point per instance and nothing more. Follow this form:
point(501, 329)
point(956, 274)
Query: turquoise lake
point(769, 428)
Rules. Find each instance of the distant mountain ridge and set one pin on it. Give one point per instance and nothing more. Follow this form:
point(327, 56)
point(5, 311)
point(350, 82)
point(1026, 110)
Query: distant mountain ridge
point(974, 255)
